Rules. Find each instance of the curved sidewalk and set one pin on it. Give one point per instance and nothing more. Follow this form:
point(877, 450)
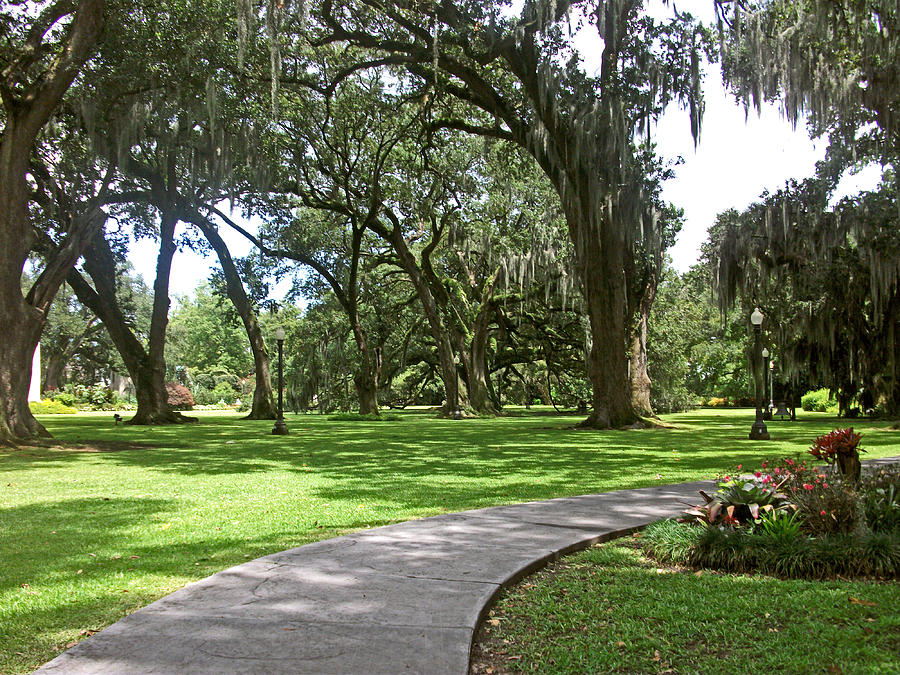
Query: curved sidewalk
point(402, 598)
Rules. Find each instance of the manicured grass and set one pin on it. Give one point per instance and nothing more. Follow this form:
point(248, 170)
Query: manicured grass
point(87, 537)
point(610, 610)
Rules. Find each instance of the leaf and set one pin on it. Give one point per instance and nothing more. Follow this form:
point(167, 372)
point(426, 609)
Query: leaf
point(754, 510)
point(714, 512)
point(494, 622)
point(656, 656)
point(864, 603)
point(620, 644)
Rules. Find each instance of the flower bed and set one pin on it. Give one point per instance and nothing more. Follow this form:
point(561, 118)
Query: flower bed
point(794, 520)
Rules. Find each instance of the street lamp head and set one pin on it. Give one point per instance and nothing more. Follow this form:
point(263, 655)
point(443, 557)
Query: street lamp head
point(765, 352)
point(279, 334)
point(757, 317)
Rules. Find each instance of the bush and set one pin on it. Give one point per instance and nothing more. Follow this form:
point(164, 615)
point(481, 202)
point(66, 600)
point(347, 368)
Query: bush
point(179, 397)
point(787, 553)
point(64, 398)
point(840, 448)
point(50, 407)
point(819, 400)
point(224, 392)
point(715, 402)
point(881, 499)
point(679, 400)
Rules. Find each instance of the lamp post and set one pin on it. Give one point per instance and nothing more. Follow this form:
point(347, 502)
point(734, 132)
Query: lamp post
point(758, 431)
point(772, 384)
point(765, 388)
point(280, 428)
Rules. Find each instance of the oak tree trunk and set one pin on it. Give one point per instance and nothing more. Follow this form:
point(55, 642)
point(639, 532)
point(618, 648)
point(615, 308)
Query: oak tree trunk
point(263, 407)
point(601, 263)
point(29, 101)
point(436, 326)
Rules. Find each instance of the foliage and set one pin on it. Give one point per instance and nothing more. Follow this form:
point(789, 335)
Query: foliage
point(782, 550)
point(880, 492)
point(833, 446)
point(51, 407)
point(819, 400)
point(740, 501)
point(822, 526)
point(179, 397)
point(203, 336)
point(63, 397)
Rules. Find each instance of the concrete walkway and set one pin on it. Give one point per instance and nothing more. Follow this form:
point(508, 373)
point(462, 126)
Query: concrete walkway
point(405, 598)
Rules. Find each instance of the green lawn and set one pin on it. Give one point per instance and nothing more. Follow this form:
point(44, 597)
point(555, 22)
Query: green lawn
point(611, 610)
point(88, 537)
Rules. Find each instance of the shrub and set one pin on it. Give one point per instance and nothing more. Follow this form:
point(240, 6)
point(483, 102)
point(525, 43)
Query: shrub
point(716, 402)
point(739, 501)
point(677, 400)
point(881, 499)
point(223, 391)
point(179, 397)
point(787, 553)
point(819, 400)
point(64, 398)
point(840, 448)
point(50, 407)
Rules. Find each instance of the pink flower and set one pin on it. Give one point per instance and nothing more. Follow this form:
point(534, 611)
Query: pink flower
point(727, 477)
point(739, 466)
point(777, 470)
point(790, 462)
point(822, 512)
point(807, 486)
point(767, 479)
point(757, 474)
point(825, 485)
point(765, 465)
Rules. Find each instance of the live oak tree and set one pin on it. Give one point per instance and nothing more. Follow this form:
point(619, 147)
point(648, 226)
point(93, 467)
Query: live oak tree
point(837, 63)
point(521, 73)
point(178, 153)
point(44, 46)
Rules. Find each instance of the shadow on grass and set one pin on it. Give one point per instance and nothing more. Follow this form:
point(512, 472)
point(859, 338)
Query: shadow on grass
point(424, 462)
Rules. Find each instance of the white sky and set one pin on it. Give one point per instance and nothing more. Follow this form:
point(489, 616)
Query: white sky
point(734, 162)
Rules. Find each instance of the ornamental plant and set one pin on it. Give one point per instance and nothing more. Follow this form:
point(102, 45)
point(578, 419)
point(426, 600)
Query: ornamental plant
point(840, 448)
point(739, 501)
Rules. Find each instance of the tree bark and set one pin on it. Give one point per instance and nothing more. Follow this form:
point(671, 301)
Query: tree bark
point(28, 106)
point(476, 362)
point(146, 368)
point(638, 375)
point(263, 407)
point(432, 313)
point(601, 264)
point(367, 374)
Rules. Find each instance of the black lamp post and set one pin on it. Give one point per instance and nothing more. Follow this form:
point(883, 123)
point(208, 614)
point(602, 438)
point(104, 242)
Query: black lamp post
point(280, 428)
point(765, 388)
point(758, 431)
